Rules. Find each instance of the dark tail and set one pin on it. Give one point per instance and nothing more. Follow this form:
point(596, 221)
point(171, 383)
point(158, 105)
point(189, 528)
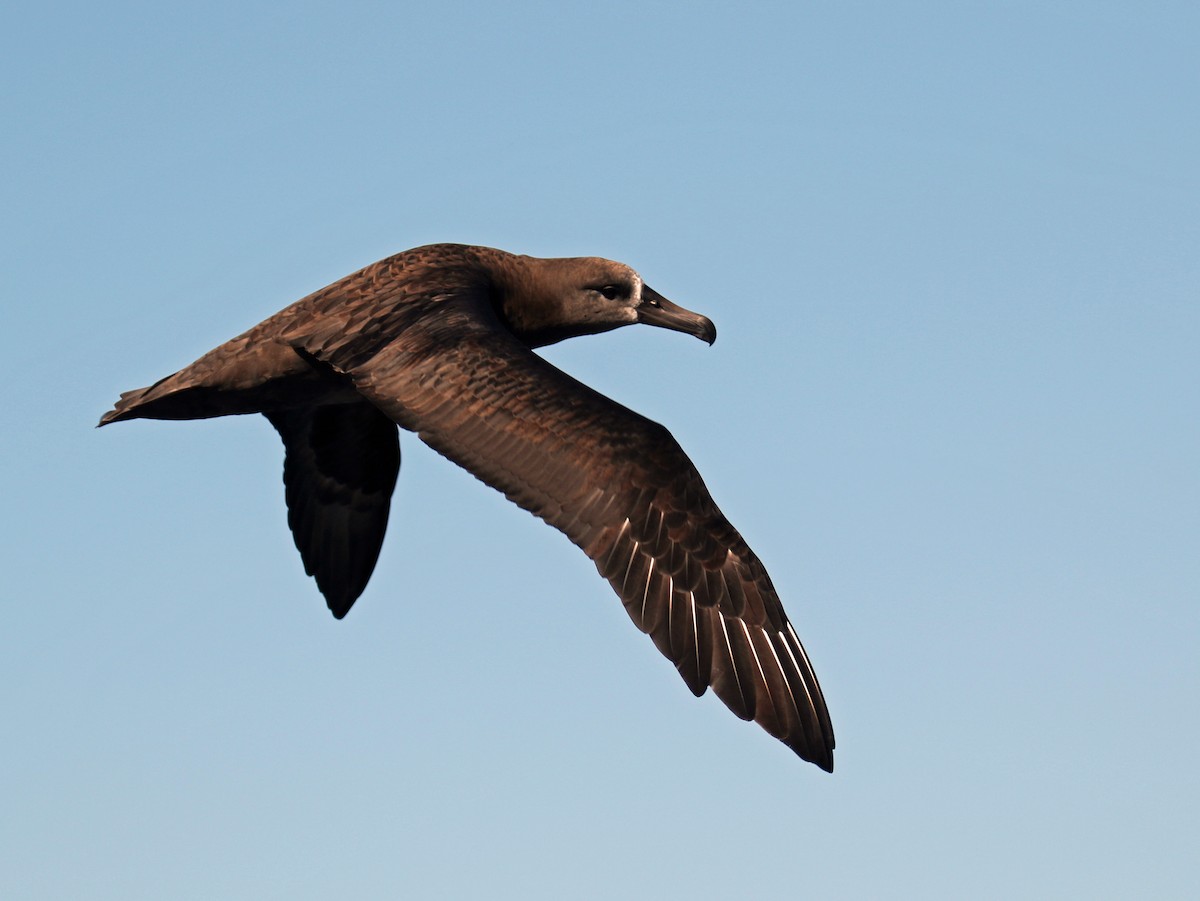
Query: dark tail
point(244, 375)
point(142, 403)
point(184, 396)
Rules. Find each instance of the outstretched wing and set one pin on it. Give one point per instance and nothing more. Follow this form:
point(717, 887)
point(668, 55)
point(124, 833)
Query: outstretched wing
point(617, 484)
point(339, 470)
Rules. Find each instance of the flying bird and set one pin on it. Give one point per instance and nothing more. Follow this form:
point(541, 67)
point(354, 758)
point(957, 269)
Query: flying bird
point(439, 340)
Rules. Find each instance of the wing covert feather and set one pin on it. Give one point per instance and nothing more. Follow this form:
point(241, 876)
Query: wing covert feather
point(617, 484)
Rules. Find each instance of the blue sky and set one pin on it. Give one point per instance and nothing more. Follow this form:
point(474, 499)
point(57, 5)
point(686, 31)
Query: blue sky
point(951, 253)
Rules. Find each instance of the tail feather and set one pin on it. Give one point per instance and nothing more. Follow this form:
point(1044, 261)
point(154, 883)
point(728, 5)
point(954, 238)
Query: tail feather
point(130, 403)
point(227, 381)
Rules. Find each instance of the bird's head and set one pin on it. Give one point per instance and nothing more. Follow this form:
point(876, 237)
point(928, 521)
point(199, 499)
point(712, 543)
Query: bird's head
point(554, 299)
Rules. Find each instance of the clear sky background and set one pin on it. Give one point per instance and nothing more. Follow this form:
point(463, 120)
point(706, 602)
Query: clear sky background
point(951, 250)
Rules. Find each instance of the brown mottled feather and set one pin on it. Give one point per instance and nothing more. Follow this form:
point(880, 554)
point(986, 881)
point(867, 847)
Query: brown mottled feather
point(429, 342)
point(615, 482)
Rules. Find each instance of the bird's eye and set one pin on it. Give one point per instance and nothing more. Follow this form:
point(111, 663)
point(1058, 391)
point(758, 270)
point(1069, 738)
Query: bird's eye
point(609, 292)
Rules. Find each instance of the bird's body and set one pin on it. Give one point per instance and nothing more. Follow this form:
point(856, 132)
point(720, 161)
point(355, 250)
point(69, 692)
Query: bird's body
point(439, 341)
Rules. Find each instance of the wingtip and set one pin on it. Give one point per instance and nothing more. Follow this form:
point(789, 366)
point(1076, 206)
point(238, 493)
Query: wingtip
point(822, 759)
point(340, 602)
point(338, 598)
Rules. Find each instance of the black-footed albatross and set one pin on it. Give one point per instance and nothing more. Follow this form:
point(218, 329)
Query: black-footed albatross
point(438, 340)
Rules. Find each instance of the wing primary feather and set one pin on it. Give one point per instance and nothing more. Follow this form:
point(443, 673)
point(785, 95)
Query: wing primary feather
point(616, 558)
point(702, 630)
point(731, 688)
point(683, 636)
point(617, 484)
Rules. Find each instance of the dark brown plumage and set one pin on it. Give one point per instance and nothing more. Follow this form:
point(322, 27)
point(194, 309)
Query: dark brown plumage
point(438, 340)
